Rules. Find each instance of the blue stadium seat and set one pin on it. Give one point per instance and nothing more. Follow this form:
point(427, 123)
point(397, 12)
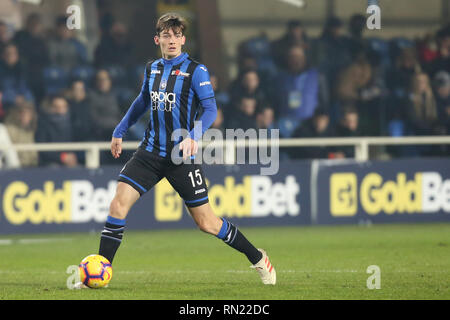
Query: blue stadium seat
point(118, 75)
point(125, 95)
point(135, 75)
point(381, 47)
point(258, 46)
point(396, 45)
point(84, 73)
point(402, 43)
point(55, 79)
point(396, 128)
point(287, 127)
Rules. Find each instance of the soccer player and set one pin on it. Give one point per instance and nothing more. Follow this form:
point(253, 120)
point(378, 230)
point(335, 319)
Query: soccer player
point(176, 90)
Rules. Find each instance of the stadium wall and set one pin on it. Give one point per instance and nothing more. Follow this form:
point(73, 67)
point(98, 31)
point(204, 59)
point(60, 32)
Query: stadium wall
point(301, 193)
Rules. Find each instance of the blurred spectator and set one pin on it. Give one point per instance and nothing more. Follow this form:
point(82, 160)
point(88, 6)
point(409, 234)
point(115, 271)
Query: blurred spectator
point(5, 35)
point(294, 36)
point(352, 79)
point(21, 123)
point(399, 78)
point(55, 126)
point(347, 127)
point(442, 62)
point(316, 127)
point(427, 48)
point(13, 77)
point(441, 86)
point(299, 89)
point(355, 42)
point(442, 93)
point(330, 52)
point(265, 118)
point(8, 157)
point(33, 49)
point(80, 112)
point(65, 50)
point(362, 86)
point(421, 106)
point(222, 97)
point(114, 49)
point(247, 84)
point(244, 117)
point(105, 110)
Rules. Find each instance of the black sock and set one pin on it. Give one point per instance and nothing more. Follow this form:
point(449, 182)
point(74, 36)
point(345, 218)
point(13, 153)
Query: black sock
point(230, 234)
point(111, 238)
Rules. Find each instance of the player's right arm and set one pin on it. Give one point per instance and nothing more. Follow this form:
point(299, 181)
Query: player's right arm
point(139, 106)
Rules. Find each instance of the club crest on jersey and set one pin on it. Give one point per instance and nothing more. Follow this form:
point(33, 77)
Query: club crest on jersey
point(178, 72)
point(163, 84)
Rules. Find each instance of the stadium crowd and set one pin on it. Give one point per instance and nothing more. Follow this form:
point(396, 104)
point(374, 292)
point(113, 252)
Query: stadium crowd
point(340, 84)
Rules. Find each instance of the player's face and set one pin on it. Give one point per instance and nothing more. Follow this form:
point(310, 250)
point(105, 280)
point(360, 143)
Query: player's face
point(170, 42)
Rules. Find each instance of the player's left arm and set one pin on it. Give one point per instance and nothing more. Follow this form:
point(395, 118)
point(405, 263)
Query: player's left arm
point(202, 87)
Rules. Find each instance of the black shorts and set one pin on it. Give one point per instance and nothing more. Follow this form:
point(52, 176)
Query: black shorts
point(145, 169)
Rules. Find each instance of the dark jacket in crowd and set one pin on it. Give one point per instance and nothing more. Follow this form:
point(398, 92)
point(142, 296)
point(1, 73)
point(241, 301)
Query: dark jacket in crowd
point(53, 128)
point(308, 130)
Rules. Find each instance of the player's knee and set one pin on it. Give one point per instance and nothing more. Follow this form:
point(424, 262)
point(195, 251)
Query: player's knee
point(118, 209)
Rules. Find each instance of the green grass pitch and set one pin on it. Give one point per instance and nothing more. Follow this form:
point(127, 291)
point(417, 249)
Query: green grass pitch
point(321, 262)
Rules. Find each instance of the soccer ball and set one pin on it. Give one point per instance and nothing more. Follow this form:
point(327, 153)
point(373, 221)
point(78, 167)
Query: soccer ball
point(95, 271)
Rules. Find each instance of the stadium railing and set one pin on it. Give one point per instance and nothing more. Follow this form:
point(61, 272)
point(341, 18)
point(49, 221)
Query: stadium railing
point(361, 145)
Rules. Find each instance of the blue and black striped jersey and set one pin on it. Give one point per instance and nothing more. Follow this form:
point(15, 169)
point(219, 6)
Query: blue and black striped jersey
point(177, 92)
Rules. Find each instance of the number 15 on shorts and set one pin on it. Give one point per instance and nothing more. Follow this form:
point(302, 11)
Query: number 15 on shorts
point(196, 177)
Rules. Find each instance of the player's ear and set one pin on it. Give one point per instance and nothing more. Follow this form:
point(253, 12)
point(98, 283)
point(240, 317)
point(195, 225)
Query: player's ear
point(183, 40)
point(156, 39)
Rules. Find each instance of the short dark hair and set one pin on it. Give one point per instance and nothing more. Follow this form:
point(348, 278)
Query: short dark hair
point(56, 96)
point(320, 111)
point(171, 21)
point(294, 23)
point(349, 108)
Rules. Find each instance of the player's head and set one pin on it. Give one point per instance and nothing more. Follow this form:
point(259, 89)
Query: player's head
point(170, 30)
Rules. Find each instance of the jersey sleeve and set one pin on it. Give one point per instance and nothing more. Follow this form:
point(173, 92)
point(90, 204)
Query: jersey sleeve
point(201, 83)
point(136, 110)
point(203, 89)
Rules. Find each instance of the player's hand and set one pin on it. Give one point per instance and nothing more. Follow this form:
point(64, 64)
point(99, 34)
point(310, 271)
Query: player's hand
point(189, 147)
point(116, 147)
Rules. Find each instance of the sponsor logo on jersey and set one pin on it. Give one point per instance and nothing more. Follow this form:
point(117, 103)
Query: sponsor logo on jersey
point(163, 101)
point(155, 71)
point(178, 72)
point(204, 83)
point(203, 68)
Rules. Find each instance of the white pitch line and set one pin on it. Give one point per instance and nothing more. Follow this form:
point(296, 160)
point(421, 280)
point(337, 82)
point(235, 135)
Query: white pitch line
point(32, 241)
point(5, 242)
point(155, 272)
